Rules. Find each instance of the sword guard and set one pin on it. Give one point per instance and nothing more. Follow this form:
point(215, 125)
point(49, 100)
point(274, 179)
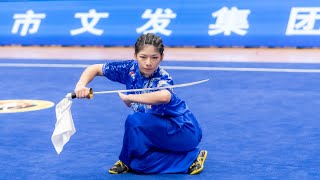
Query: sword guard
point(90, 93)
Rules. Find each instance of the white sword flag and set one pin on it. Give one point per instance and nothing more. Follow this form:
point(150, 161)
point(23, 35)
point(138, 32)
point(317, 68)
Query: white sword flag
point(64, 127)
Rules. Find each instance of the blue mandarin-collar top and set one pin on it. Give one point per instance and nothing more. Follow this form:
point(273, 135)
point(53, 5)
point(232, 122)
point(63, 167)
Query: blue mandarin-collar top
point(128, 73)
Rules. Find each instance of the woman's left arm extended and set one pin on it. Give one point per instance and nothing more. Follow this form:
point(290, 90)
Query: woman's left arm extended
point(153, 98)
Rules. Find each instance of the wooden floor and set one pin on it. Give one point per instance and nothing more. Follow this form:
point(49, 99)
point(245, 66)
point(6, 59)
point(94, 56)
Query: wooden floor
point(177, 54)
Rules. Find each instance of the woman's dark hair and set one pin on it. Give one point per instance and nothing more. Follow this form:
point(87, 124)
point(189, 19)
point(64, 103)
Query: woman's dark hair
point(151, 39)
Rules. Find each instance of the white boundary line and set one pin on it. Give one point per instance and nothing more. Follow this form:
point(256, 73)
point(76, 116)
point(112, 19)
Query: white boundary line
point(243, 69)
point(40, 65)
point(191, 68)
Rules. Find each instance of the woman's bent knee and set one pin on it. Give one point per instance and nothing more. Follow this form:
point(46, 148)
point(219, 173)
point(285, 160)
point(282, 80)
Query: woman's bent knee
point(133, 120)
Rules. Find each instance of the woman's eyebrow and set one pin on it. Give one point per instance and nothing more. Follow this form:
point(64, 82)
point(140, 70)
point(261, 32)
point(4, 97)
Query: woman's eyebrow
point(147, 55)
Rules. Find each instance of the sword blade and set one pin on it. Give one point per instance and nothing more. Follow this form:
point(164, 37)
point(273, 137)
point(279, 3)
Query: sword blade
point(155, 88)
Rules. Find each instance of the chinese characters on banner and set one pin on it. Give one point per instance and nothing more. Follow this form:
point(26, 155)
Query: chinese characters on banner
point(29, 22)
point(243, 24)
point(157, 23)
point(228, 21)
point(303, 21)
point(89, 26)
point(158, 20)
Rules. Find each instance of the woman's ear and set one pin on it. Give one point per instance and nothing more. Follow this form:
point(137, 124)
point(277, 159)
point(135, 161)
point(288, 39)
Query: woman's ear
point(162, 56)
point(135, 56)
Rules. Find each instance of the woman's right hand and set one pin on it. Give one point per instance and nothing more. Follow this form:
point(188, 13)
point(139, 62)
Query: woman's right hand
point(86, 77)
point(82, 92)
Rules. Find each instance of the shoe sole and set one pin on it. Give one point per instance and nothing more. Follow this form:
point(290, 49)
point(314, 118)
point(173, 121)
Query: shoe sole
point(202, 165)
point(113, 172)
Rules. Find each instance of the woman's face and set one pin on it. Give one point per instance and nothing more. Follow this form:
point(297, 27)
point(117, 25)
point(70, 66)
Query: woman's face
point(149, 59)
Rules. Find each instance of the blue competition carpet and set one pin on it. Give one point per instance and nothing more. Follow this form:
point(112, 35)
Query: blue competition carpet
point(257, 123)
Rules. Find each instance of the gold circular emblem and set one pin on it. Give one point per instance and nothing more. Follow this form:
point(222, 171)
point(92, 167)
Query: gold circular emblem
point(13, 106)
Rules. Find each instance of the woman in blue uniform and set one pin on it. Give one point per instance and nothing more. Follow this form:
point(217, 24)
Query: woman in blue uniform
point(161, 135)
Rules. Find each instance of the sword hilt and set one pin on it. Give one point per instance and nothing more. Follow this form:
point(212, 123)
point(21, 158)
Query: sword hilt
point(73, 95)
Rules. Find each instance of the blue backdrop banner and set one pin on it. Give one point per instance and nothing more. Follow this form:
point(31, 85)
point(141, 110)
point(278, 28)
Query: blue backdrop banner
point(247, 23)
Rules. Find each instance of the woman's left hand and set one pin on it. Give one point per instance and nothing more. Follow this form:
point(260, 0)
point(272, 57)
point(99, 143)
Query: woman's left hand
point(125, 99)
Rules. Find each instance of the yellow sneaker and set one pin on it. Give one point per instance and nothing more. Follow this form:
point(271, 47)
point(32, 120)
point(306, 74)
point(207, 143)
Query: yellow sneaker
point(119, 168)
point(198, 165)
